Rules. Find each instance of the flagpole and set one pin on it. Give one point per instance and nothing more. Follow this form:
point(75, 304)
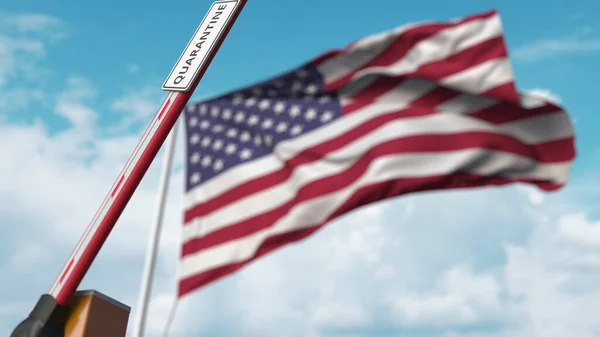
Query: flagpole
point(154, 239)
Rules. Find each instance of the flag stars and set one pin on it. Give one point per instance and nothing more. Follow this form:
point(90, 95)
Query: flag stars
point(279, 107)
point(251, 102)
point(218, 165)
point(264, 104)
point(204, 125)
point(267, 124)
point(296, 130)
point(206, 161)
point(295, 111)
point(217, 145)
point(205, 141)
point(311, 89)
point(302, 73)
point(281, 127)
point(253, 120)
point(238, 99)
point(227, 114)
point(327, 116)
point(218, 128)
point(297, 86)
point(310, 114)
point(245, 136)
point(230, 148)
point(239, 117)
point(232, 133)
point(248, 124)
point(324, 99)
point(195, 178)
point(268, 140)
point(245, 154)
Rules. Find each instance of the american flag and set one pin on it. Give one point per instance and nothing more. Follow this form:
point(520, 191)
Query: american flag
point(425, 106)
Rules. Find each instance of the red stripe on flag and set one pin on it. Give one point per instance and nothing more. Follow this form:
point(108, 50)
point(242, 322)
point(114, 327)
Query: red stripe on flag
point(505, 92)
point(504, 112)
point(433, 98)
point(475, 55)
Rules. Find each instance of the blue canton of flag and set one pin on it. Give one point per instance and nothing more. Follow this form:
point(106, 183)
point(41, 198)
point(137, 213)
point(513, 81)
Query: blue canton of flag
point(246, 124)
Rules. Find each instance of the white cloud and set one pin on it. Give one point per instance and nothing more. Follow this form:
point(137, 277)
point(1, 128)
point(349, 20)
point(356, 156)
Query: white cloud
point(29, 254)
point(581, 231)
point(340, 314)
point(458, 298)
point(555, 291)
point(19, 98)
point(71, 105)
point(548, 48)
point(24, 38)
point(136, 106)
point(133, 69)
point(535, 196)
point(13, 52)
point(40, 24)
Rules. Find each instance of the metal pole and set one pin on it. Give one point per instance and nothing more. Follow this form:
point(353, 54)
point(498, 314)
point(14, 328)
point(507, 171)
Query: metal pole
point(154, 239)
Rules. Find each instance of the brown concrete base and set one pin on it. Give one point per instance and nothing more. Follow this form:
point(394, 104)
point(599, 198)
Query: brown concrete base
point(93, 314)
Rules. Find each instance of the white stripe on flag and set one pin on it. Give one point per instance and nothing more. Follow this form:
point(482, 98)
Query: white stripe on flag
point(482, 77)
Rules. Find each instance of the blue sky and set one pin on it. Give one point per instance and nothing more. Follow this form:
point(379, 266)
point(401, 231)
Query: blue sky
point(79, 80)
